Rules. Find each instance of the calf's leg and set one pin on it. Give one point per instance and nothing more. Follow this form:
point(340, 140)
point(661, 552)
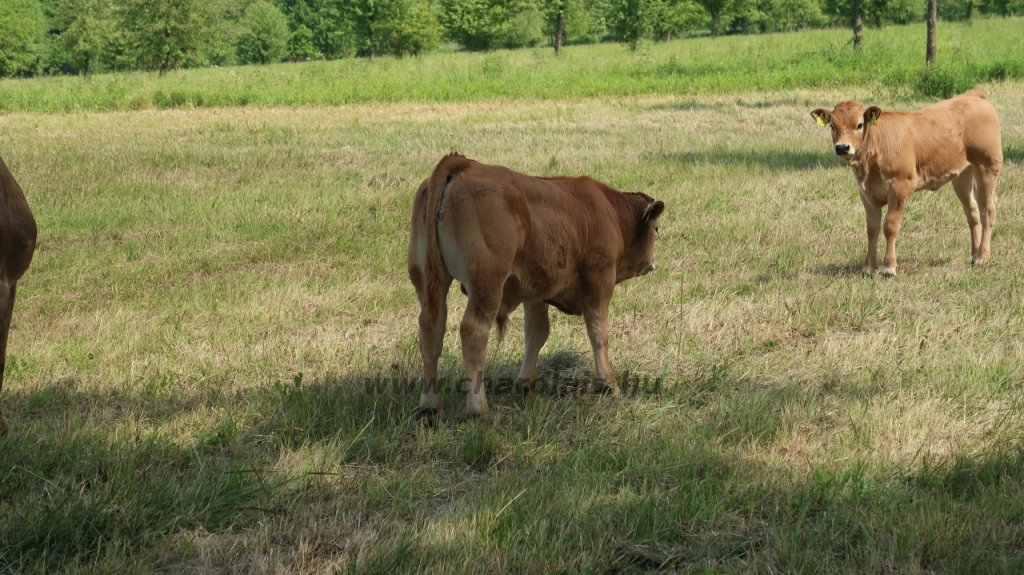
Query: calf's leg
point(481, 310)
point(537, 327)
point(7, 292)
point(595, 314)
point(431, 344)
point(964, 187)
point(985, 179)
point(899, 194)
point(873, 215)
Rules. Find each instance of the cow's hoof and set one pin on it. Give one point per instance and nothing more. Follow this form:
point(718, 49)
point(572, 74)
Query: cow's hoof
point(977, 261)
point(888, 272)
point(866, 271)
point(428, 416)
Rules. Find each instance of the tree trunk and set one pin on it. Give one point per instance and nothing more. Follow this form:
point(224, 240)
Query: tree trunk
point(932, 10)
point(856, 24)
point(714, 26)
point(559, 28)
point(970, 9)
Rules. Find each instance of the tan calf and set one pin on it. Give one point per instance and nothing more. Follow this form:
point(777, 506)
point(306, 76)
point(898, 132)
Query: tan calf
point(512, 239)
point(894, 154)
point(17, 243)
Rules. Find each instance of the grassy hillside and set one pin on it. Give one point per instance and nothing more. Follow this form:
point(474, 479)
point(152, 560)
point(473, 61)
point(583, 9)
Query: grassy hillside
point(212, 288)
point(891, 61)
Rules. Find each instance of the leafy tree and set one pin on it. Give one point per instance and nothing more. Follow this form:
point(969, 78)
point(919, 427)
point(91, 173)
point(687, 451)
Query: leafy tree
point(715, 9)
point(300, 45)
point(86, 26)
point(486, 24)
point(1004, 7)
point(264, 35)
point(333, 32)
point(165, 34)
point(632, 20)
point(788, 14)
point(21, 36)
point(411, 28)
point(676, 18)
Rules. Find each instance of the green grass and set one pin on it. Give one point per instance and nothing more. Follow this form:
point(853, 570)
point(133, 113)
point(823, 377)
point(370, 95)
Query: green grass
point(212, 287)
point(891, 60)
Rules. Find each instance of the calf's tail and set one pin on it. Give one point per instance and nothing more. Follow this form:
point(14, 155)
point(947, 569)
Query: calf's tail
point(440, 181)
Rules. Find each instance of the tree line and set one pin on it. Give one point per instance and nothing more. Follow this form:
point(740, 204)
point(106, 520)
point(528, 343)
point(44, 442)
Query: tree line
point(87, 36)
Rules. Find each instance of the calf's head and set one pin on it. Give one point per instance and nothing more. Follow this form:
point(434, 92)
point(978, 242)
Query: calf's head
point(849, 122)
point(638, 258)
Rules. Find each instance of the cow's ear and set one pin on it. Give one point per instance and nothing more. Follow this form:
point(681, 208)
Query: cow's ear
point(821, 116)
point(652, 211)
point(871, 115)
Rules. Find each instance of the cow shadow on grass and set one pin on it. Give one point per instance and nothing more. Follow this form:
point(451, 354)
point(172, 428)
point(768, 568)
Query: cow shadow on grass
point(773, 159)
point(693, 105)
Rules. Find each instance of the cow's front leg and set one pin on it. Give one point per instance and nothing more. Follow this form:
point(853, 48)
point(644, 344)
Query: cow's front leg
point(899, 194)
point(595, 314)
point(874, 223)
point(431, 344)
point(537, 327)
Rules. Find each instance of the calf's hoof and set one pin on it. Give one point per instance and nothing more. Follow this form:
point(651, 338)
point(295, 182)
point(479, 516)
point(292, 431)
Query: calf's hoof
point(867, 271)
point(428, 416)
point(977, 261)
point(888, 272)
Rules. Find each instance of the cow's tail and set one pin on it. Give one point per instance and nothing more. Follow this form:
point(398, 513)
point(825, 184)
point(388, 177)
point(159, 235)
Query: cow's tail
point(440, 180)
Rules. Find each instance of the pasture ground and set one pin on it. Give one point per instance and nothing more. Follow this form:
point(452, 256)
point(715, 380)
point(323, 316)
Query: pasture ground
point(212, 287)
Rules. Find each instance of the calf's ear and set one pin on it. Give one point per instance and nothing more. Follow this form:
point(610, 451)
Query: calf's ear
point(871, 115)
point(821, 116)
point(652, 211)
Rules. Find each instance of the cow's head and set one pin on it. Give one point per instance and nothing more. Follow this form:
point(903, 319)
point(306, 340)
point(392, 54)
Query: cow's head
point(849, 123)
point(639, 257)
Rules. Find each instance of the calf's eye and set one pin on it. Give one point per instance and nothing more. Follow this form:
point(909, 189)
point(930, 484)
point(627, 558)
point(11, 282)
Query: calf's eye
point(860, 126)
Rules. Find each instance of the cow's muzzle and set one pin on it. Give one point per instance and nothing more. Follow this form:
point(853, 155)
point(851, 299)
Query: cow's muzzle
point(650, 268)
point(843, 149)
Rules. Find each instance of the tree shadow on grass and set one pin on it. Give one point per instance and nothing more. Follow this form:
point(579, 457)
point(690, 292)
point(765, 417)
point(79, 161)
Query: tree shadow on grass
point(1014, 153)
point(664, 498)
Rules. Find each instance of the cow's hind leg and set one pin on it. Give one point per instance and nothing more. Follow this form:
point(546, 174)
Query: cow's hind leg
point(985, 190)
point(964, 187)
point(6, 311)
point(537, 327)
point(431, 344)
point(481, 311)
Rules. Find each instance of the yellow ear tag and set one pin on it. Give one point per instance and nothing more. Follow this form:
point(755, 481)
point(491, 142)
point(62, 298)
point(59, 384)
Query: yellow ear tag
point(874, 119)
point(820, 120)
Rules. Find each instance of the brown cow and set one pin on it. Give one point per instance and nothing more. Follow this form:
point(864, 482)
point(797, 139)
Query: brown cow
point(17, 243)
point(513, 239)
point(894, 154)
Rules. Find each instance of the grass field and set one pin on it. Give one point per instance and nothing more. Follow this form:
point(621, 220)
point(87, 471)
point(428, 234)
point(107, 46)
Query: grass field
point(891, 61)
point(212, 287)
